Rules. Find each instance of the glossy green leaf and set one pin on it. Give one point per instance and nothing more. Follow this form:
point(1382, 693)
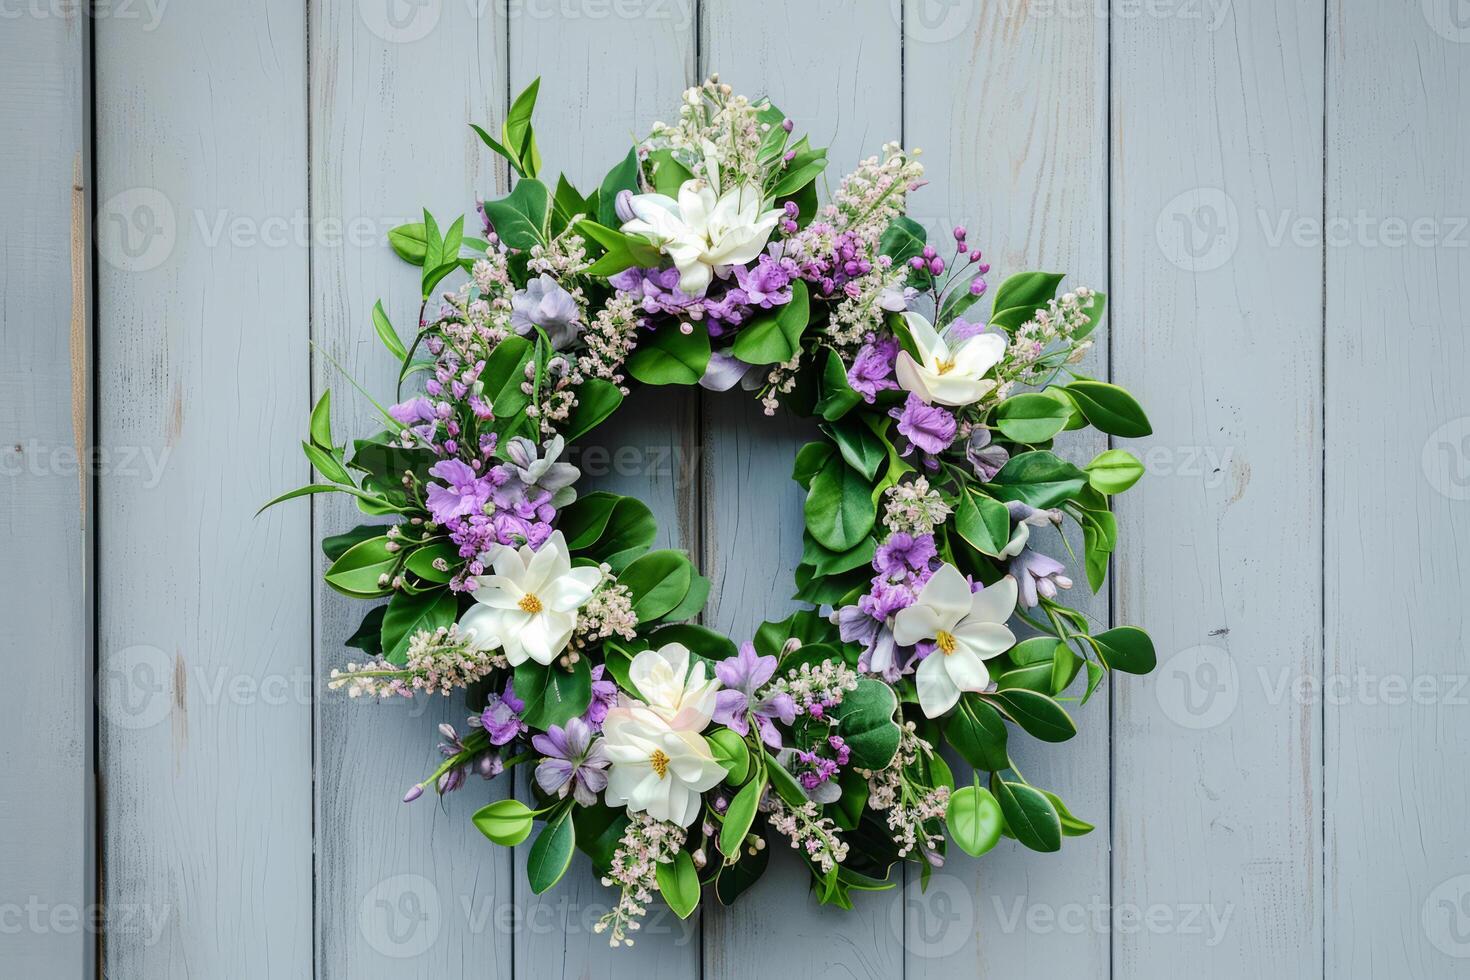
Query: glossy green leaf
point(678, 883)
point(1041, 479)
point(658, 582)
point(839, 507)
point(978, 734)
point(551, 854)
point(552, 694)
point(1028, 814)
point(519, 218)
point(623, 177)
point(506, 822)
point(1114, 471)
point(982, 521)
point(1036, 713)
point(731, 752)
point(975, 820)
point(408, 615)
point(865, 722)
point(1110, 408)
point(1031, 417)
point(668, 356)
point(357, 571)
point(739, 817)
point(1127, 648)
point(775, 338)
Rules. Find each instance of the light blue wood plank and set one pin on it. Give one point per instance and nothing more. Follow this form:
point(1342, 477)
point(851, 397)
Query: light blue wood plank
point(1218, 330)
point(834, 68)
point(204, 615)
point(401, 889)
point(1009, 104)
point(47, 826)
point(1398, 492)
point(608, 71)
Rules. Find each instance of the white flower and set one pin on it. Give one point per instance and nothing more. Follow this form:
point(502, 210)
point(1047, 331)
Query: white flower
point(654, 767)
point(529, 606)
point(945, 376)
point(967, 630)
point(704, 232)
point(680, 696)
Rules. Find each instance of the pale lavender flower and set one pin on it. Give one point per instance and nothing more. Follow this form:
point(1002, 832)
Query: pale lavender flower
point(985, 457)
point(466, 493)
point(743, 676)
point(573, 762)
point(545, 304)
point(501, 718)
point(903, 553)
point(928, 427)
point(1038, 574)
point(872, 369)
point(604, 696)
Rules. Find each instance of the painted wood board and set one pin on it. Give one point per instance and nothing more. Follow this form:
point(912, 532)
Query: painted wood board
point(204, 611)
point(47, 823)
point(1218, 829)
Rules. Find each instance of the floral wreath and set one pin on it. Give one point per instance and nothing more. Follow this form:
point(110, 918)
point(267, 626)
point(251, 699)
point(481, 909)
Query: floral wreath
point(663, 750)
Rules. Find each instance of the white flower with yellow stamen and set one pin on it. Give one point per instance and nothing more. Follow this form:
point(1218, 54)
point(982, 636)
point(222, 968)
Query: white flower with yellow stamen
point(967, 630)
point(528, 607)
point(945, 375)
point(656, 769)
point(679, 695)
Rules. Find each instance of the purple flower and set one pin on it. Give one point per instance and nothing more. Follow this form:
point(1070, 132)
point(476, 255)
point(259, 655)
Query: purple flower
point(768, 284)
point(961, 330)
point(903, 553)
point(418, 409)
point(743, 676)
point(545, 304)
point(573, 762)
point(986, 458)
point(872, 369)
point(604, 696)
point(466, 493)
point(928, 427)
point(1038, 573)
point(501, 718)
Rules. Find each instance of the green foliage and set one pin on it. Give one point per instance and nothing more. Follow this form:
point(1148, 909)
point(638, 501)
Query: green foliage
point(974, 819)
point(553, 695)
point(775, 337)
point(506, 822)
point(669, 356)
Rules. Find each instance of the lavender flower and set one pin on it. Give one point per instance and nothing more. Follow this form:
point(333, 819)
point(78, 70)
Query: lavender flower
point(768, 283)
point(541, 472)
point(467, 492)
point(985, 457)
point(573, 762)
point(604, 696)
point(928, 427)
point(1038, 574)
point(872, 369)
point(743, 676)
point(501, 718)
point(545, 304)
point(903, 553)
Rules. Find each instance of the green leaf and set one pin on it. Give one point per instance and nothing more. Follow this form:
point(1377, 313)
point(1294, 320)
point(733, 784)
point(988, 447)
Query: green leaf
point(740, 816)
point(1036, 713)
point(865, 722)
point(384, 329)
point(678, 883)
point(1110, 408)
point(825, 562)
point(1025, 293)
point(811, 459)
point(505, 372)
point(1031, 418)
point(975, 819)
point(409, 242)
point(326, 464)
point(551, 854)
point(1127, 648)
point(421, 562)
point(506, 822)
point(1041, 479)
point(608, 528)
point(623, 177)
point(804, 168)
point(1029, 815)
point(520, 217)
point(321, 422)
point(517, 132)
point(497, 147)
point(1114, 471)
point(669, 356)
point(357, 571)
point(983, 521)
point(903, 239)
point(382, 505)
point(334, 546)
point(859, 445)
point(730, 751)
point(839, 507)
point(599, 829)
point(668, 173)
point(776, 337)
point(784, 783)
point(699, 639)
point(596, 400)
point(553, 696)
point(566, 204)
point(978, 734)
point(1071, 826)
point(623, 251)
point(1094, 315)
point(1033, 651)
point(658, 582)
point(408, 615)
point(838, 398)
point(1064, 666)
point(369, 635)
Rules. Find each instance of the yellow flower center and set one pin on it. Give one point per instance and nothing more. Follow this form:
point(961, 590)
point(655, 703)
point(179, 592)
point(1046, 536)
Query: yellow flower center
point(530, 603)
point(945, 642)
point(945, 366)
point(660, 763)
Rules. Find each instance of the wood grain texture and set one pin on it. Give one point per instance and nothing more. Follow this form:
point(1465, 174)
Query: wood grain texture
point(1397, 706)
point(1009, 104)
point(608, 71)
point(1218, 330)
point(401, 889)
point(834, 68)
point(47, 826)
point(204, 611)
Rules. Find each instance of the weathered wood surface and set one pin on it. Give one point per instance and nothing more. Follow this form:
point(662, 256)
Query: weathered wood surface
point(1171, 153)
point(1217, 863)
point(204, 617)
point(47, 869)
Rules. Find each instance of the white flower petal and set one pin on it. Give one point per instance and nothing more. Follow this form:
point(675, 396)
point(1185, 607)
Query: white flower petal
point(480, 625)
point(911, 376)
point(572, 590)
point(948, 593)
point(995, 603)
point(937, 692)
point(931, 346)
point(979, 354)
point(984, 640)
point(966, 670)
point(917, 622)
